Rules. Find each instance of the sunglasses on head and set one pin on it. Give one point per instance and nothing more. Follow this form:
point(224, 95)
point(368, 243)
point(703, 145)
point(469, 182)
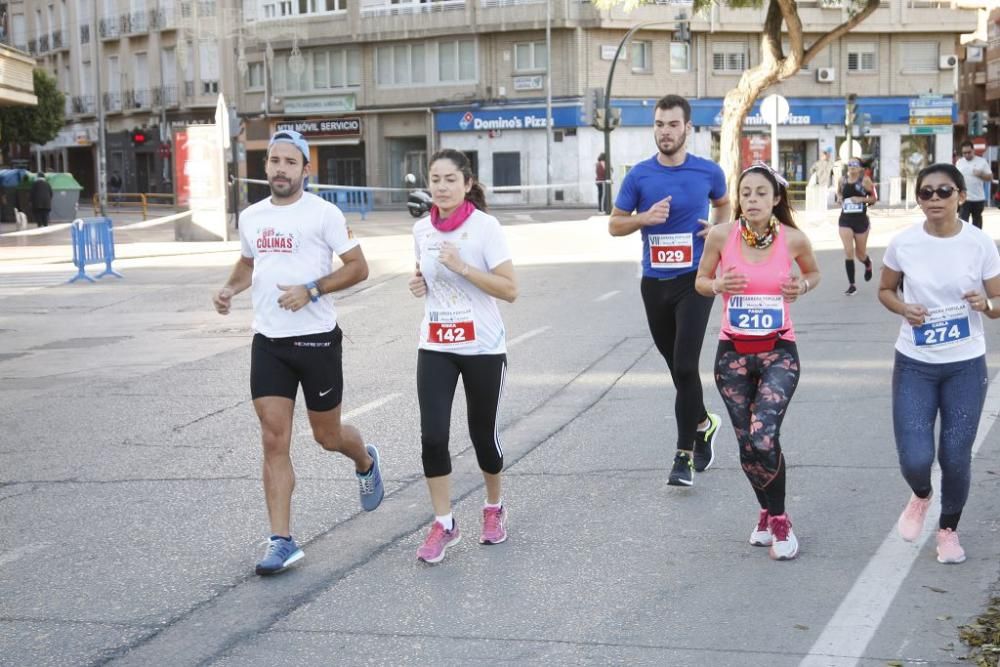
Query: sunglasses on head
point(942, 191)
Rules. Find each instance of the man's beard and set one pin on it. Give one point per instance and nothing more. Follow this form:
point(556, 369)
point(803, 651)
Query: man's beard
point(286, 189)
point(673, 151)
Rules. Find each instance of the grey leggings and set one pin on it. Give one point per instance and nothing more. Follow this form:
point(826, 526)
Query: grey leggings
point(922, 391)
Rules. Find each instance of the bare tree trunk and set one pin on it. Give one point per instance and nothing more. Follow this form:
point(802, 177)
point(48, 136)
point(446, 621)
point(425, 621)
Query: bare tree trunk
point(774, 68)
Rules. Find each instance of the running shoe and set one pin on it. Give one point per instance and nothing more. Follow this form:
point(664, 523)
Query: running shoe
point(761, 536)
point(785, 546)
point(280, 554)
point(704, 444)
point(948, 548)
point(370, 485)
point(682, 474)
point(868, 268)
point(851, 290)
point(437, 542)
point(911, 521)
point(494, 525)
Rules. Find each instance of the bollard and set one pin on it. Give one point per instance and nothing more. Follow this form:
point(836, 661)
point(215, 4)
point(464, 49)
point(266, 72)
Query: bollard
point(93, 243)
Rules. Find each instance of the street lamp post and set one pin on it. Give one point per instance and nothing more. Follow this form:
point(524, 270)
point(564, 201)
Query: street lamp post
point(607, 107)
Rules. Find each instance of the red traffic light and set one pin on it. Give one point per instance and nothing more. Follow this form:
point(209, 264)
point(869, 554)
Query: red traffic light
point(139, 137)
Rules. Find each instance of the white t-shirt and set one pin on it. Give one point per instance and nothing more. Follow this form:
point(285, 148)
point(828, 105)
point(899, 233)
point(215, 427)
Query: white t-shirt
point(458, 316)
point(975, 186)
point(292, 245)
point(936, 273)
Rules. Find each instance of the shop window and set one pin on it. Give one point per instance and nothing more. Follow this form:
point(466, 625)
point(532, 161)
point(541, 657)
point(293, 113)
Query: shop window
point(506, 169)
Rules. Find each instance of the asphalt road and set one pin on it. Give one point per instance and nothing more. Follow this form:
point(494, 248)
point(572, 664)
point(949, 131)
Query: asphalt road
point(132, 512)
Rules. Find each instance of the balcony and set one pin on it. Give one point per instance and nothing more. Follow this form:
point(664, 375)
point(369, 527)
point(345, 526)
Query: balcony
point(188, 89)
point(135, 22)
point(138, 99)
point(32, 47)
point(111, 28)
point(85, 34)
point(206, 7)
point(84, 104)
point(414, 8)
point(166, 17)
point(57, 40)
point(511, 3)
point(43, 44)
point(16, 82)
point(166, 96)
point(112, 102)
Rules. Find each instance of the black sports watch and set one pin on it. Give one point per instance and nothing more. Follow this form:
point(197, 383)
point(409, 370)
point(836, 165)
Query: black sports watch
point(314, 293)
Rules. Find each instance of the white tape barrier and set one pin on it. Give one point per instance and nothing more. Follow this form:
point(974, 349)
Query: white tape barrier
point(502, 188)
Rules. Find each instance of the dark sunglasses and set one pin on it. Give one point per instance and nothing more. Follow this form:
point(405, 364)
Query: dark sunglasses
point(942, 191)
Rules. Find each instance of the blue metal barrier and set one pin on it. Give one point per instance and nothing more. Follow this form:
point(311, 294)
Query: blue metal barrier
point(357, 201)
point(93, 243)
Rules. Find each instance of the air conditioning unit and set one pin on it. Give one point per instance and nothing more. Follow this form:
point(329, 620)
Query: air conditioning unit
point(948, 62)
point(826, 74)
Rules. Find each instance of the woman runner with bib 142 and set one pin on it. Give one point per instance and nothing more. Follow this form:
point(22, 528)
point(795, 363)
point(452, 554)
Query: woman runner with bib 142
point(941, 277)
point(749, 263)
point(463, 266)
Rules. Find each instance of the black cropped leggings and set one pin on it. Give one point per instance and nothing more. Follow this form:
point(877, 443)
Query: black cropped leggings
point(677, 317)
point(437, 377)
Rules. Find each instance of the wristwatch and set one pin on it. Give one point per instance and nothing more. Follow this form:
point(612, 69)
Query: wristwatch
point(314, 293)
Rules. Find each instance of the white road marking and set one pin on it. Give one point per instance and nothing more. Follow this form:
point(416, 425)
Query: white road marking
point(368, 407)
point(608, 295)
point(528, 334)
point(848, 633)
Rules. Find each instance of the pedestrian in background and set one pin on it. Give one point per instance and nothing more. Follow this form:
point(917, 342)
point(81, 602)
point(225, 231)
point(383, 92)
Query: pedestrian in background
point(287, 243)
point(600, 176)
point(749, 263)
point(977, 173)
point(823, 169)
point(463, 267)
point(952, 275)
point(855, 194)
point(41, 200)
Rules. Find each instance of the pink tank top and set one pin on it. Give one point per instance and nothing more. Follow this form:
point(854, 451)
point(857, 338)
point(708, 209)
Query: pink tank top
point(760, 310)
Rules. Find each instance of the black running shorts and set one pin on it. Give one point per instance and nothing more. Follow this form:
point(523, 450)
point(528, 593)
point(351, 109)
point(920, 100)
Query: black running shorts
point(856, 222)
point(279, 365)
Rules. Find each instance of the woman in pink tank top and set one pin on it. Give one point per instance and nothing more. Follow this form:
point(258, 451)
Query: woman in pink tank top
point(749, 263)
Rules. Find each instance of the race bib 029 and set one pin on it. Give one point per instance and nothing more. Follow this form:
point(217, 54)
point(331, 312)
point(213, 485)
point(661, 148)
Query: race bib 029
point(671, 251)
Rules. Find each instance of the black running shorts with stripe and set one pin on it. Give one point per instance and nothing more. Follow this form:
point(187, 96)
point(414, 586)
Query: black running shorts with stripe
point(279, 365)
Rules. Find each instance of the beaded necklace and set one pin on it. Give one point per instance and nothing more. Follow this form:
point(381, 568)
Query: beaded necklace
point(755, 240)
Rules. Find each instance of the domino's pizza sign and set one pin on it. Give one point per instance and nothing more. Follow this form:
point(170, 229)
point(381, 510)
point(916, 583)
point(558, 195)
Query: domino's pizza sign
point(466, 120)
point(509, 118)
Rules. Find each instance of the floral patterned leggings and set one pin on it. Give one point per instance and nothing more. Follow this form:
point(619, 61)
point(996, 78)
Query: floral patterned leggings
point(756, 389)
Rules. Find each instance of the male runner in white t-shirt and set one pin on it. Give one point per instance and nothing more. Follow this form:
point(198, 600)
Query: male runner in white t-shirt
point(288, 241)
point(976, 172)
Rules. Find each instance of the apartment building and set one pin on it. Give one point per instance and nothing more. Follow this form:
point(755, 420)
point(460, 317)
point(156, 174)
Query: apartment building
point(154, 66)
point(377, 84)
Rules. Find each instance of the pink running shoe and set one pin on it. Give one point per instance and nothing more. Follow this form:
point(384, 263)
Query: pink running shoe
point(437, 542)
point(911, 521)
point(494, 525)
point(948, 548)
point(761, 536)
point(785, 545)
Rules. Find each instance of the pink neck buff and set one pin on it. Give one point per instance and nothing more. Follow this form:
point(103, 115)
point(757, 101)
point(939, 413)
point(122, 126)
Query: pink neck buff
point(453, 221)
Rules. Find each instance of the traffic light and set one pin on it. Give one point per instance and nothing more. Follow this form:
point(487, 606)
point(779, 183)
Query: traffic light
point(593, 106)
point(139, 137)
point(977, 123)
point(866, 124)
point(851, 110)
point(682, 28)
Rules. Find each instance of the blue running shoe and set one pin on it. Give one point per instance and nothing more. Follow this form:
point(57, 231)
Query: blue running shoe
point(370, 485)
point(280, 554)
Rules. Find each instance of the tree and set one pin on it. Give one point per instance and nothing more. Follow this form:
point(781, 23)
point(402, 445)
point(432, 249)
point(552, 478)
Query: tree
point(775, 65)
point(35, 125)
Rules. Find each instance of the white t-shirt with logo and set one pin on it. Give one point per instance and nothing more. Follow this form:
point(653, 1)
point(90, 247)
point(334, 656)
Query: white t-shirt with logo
point(458, 316)
point(292, 245)
point(936, 273)
point(974, 186)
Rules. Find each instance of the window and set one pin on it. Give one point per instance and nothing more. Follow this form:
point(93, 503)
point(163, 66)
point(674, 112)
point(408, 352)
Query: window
point(506, 169)
point(422, 63)
point(919, 56)
point(324, 69)
point(680, 57)
point(786, 48)
point(861, 57)
point(530, 56)
point(642, 56)
point(255, 75)
point(729, 57)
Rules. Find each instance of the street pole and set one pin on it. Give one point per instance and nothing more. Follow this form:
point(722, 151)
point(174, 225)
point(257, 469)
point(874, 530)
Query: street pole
point(102, 137)
point(607, 110)
point(548, 103)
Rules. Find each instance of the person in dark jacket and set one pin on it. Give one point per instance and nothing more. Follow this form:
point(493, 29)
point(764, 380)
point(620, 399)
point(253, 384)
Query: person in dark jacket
point(41, 200)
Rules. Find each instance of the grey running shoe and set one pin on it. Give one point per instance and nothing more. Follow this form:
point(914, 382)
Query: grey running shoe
point(280, 554)
point(370, 486)
point(683, 472)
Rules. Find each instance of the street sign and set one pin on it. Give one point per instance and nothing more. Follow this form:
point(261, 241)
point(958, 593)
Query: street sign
point(930, 114)
point(775, 109)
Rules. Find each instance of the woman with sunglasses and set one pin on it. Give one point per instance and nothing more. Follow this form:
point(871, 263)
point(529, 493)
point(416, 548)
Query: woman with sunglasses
point(941, 277)
point(749, 263)
point(856, 194)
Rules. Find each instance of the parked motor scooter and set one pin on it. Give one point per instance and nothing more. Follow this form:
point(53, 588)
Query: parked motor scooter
point(418, 202)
